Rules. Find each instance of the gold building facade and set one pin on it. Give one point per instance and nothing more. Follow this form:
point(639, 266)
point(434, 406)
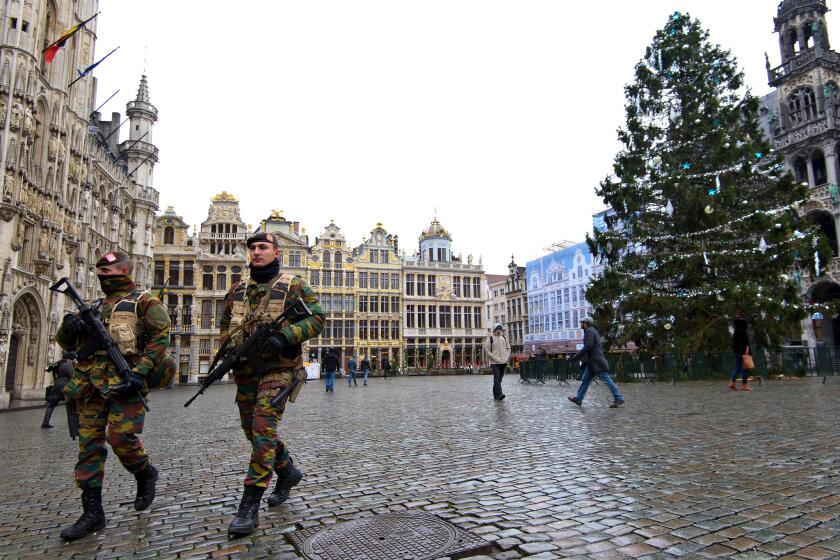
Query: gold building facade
point(68, 194)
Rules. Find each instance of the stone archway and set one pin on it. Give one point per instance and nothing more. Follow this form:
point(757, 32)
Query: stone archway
point(28, 324)
point(826, 328)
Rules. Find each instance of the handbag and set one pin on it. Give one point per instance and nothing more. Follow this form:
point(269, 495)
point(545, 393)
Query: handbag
point(749, 363)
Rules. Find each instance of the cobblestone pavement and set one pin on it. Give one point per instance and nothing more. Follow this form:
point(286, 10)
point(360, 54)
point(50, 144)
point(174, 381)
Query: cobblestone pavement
point(692, 471)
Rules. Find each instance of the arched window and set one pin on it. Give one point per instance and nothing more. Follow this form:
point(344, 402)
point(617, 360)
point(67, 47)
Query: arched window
point(807, 35)
point(818, 164)
point(825, 221)
point(326, 258)
point(793, 41)
point(800, 170)
point(169, 235)
point(803, 105)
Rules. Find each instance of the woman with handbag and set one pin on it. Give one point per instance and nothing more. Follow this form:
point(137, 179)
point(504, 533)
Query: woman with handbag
point(741, 349)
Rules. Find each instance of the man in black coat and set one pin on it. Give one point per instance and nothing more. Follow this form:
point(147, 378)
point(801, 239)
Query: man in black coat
point(595, 364)
point(62, 371)
point(330, 367)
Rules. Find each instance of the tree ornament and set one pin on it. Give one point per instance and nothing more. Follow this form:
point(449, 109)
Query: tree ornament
point(727, 145)
point(759, 155)
point(669, 208)
point(686, 166)
point(720, 297)
point(817, 262)
point(717, 184)
point(708, 210)
point(762, 245)
point(784, 277)
point(705, 258)
point(667, 326)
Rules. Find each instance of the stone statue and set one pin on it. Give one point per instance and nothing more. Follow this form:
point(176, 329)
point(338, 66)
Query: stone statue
point(44, 243)
point(83, 173)
point(9, 184)
point(21, 232)
point(2, 113)
point(28, 122)
point(52, 150)
point(469, 258)
point(62, 151)
point(14, 122)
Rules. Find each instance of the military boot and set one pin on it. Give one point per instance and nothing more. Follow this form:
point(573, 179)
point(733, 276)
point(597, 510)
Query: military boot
point(287, 477)
point(92, 519)
point(248, 516)
point(146, 480)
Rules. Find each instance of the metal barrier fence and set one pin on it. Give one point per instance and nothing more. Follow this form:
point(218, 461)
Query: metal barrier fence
point(675, 366)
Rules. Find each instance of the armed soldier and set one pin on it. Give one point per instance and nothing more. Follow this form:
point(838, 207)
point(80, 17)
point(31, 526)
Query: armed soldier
point(249, 305)
point(61, 371)
point(109, 405)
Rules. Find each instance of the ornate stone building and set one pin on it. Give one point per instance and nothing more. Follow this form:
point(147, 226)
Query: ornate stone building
point(379, 309)
point(802, 118)
point(332, 274)
point(495, 300)
point(443, 304)
point(67, 194)
point(516, 307)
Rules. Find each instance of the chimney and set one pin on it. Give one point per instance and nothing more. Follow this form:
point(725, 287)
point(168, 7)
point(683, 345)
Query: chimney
point(296, 226)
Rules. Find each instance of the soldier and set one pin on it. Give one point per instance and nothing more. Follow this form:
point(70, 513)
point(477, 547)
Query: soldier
point(247, 306)
point(61, 371)
point(109, 407)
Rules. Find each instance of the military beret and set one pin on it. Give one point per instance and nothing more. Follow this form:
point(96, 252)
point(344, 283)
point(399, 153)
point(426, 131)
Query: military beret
point(112, 257)
point(263, 236)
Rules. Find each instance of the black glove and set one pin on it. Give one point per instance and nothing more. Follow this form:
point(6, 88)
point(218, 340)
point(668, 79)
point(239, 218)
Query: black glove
point(130, 386)
point(274, 344)
point(73, 325)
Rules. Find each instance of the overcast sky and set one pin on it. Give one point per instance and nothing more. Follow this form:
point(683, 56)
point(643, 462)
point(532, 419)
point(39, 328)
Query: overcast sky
point(498, 115)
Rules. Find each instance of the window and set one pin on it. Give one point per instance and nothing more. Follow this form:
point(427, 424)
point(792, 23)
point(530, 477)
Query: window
point(385, 307)
point(432, 316)
point(188, 273)
point(338, 279)
point(383, 280)
point(338, 260)
point(421, 284)
point(395, 330)
point(432, 284)
point(351, 279)
point(374, 255)
point(421, 316)
point(383, 255)
point(363, 304)
point(441, 254)
point(456, 286)
point(314, 278)
point(220, 309)
point(236, 275)
point(186, 312)
point(395, 304)
point(327, 278)
point(363, 280)
point(221, 281)
point(374, 330)
point(326, 257)
point(409, 284)
point(477, 288)
point(206, 313)
point(294, 259)
point(409, 316)
point(169, 235)
point(374, 280)
point(374, 304)
point(348, 329)
point(802, 104)
point(458, 317)
point(204, 346)
point(160, 270)
point(395, 280)
point(431, 254)
point(467, 318)
point(445, 317)
point(207, 281)
point(477, 317)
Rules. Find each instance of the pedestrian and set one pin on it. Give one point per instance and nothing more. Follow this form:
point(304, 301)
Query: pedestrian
point(351, 371)
point(248, 306)
point(330, 367)
point(61, 371)
point(109, 407)
point(595, 364)
point(365, 368)
point(498, 352)
point(740, 346)
point(386, 367)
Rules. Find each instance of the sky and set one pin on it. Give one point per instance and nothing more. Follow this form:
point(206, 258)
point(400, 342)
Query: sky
point(498, 117)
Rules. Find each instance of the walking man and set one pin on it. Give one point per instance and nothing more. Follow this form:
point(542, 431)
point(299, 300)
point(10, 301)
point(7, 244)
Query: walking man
point(365, 368)
point(498, 352)
point(61, 371)
point(248, 306)
point(595, 364)
point(330, 367)
point(109, 407)
point(351, 371)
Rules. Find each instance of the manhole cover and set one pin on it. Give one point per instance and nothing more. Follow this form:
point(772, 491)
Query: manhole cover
point(390, 536)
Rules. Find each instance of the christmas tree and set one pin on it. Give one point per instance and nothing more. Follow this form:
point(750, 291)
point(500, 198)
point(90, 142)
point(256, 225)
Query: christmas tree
point(704, 214)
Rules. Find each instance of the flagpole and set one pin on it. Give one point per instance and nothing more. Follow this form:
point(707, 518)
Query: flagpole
point(139, 164)
point(133, 143)
point(90, 68)
point(78, 26)
point(104, 102)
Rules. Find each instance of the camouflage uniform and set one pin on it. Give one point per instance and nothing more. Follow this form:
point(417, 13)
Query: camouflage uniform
point(254, 392)
point(103, 416)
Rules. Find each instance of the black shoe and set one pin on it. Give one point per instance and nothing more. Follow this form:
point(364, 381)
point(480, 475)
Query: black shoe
point(502, 397)
point(248, 516)
point(46, 425)
point(92, 519)
point(146, 480)
point(574, 400)
point(287, 478)
point(616, 404)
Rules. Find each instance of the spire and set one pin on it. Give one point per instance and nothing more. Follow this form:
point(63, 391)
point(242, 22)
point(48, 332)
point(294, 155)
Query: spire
point(143, 90)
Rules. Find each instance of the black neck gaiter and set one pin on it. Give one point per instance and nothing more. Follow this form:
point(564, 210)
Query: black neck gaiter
point(265, 273)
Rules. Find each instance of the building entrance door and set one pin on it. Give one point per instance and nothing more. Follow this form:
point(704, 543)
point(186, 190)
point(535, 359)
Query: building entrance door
point(11, 365)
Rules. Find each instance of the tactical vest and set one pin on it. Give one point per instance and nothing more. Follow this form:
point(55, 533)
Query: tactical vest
point(124, 326)
point(243, 321)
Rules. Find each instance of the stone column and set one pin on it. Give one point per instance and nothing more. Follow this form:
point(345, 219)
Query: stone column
point(811, 181)
point(831, 163)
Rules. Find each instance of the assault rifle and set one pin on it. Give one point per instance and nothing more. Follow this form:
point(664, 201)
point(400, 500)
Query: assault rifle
point(100, 337)
point(69, 407)
point(228, 358)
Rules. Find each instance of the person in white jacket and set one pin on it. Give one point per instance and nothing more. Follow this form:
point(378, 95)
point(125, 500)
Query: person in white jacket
point(498, 352)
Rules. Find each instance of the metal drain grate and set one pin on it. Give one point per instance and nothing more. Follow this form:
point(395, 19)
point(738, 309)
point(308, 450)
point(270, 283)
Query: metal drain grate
point(390, 536)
